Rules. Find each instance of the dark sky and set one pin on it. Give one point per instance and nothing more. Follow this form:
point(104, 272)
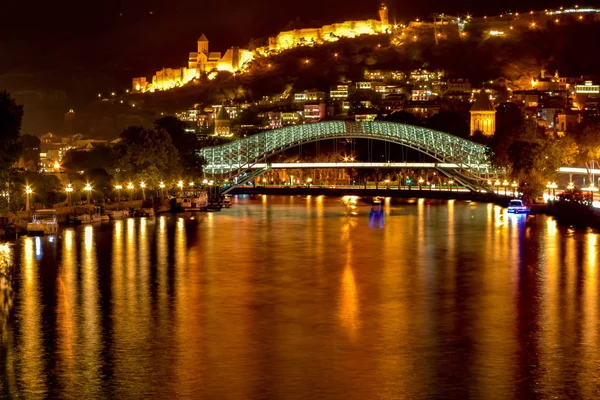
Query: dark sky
point(67, 50)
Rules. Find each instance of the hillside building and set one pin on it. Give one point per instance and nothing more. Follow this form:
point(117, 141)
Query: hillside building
point(483, 115)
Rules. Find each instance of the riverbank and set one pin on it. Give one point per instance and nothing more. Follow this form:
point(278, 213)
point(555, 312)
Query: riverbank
point(574, 214)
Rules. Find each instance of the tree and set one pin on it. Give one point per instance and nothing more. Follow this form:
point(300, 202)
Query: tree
point(529, 156)
point(99, 157)
point(11, 116)
point(450, 122)
point(186, 143)
point(146, 154)
point(589, 147)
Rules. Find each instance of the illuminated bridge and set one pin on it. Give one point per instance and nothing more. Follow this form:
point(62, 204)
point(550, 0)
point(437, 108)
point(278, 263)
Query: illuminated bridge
point(461, 159)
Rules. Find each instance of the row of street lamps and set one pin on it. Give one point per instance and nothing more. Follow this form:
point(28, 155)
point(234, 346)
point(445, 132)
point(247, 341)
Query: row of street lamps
point(69, 189)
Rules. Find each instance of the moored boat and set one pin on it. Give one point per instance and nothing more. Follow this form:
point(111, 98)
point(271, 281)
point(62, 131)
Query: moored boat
point(43, 223)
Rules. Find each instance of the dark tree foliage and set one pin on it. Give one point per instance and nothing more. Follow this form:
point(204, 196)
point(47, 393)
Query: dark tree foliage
point(146, 154)
point(186, 143)
point(100, 157)
point(11, 116)
point(450, 122)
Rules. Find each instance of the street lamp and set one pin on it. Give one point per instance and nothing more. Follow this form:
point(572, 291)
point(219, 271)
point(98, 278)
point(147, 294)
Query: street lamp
point(180, 185)
point(387, 183)
point(505, 184)
point(88, 189)
point(161, 185)
point(143, 186)
point(421, 183)
point(69, 190)
point(497, 184)
point(130, 187)
point(118, 188)
point(570, 186)
point(450, 183)
point(308, 180)
point(28, 192)
point(514, 186)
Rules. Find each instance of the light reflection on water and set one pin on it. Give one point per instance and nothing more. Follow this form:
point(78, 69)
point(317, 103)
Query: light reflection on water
point(296, 297)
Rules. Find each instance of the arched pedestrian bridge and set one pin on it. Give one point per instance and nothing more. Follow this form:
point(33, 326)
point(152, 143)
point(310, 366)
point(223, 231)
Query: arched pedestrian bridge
point(242, 156)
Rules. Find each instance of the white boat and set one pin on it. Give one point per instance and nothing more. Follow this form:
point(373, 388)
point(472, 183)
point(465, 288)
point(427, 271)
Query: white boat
point(516, 206)
point(82, 219)
point(193, 203)
point(376, 207)
point(43, 223)
point(117, 214)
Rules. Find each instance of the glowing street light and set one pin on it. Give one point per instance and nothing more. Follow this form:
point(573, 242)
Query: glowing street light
point(130, 187)
point(28, 192)
point(88, 190)
point(69, 190)
point(570, 186)
point(143, 186)
point(118, 188)
point(161, 185)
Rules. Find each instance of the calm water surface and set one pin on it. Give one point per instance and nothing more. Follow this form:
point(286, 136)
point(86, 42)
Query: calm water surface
point(292, 298)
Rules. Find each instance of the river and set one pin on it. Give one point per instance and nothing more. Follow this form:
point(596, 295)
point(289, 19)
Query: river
point(296, 297)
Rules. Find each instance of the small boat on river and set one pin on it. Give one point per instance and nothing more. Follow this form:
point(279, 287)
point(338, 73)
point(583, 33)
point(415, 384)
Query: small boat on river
point(43, 223)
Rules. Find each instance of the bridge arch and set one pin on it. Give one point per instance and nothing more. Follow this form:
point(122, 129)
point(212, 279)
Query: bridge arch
point(240, 155)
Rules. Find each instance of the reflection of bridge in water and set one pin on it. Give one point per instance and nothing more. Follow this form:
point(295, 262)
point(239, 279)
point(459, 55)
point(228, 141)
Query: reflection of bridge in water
point(460, 159)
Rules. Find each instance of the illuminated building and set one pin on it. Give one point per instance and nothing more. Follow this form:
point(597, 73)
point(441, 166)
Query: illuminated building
point(234, 59)
point(309, 95)
point(223, 124)
point(314, 112)
point(483, 115)
point(587, 88)
point(339, 93)
point(384, 75)
point(330, 33)
point(199, 62)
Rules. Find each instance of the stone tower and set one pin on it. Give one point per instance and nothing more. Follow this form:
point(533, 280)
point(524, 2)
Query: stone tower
point(383, 14)
point(203, 44)
point(483, 115)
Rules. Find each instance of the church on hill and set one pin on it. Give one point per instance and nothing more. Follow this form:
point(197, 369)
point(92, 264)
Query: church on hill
point(483, 115)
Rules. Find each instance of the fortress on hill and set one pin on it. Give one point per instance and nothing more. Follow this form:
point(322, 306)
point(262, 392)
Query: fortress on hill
point(204, 61)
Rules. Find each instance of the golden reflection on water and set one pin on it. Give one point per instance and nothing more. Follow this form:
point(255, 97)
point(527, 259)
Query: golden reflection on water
point(30, 373)
point(66, 299)
point(275, 300)
point(348, 303)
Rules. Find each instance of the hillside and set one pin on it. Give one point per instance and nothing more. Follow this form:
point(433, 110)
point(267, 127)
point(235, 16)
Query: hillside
point(477, 57)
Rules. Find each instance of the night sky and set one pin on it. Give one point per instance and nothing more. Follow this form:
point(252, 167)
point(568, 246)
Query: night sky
point(68, 50)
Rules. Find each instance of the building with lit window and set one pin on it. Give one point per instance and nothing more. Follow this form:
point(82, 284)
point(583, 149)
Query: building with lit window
point(312, 95)
point(483, 115)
